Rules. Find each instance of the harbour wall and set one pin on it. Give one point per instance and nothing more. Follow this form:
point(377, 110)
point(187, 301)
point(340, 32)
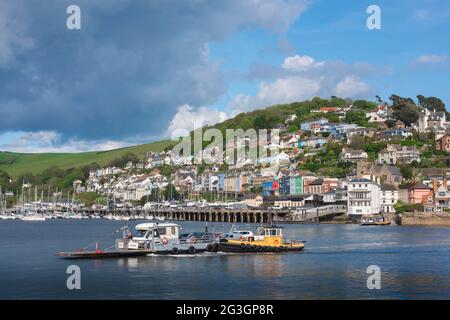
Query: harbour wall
point(424, 219)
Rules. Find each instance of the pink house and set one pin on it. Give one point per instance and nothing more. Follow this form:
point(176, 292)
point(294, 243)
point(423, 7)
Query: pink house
point(419, 193)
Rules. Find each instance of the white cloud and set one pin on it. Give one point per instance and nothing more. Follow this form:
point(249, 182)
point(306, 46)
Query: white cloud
point(284, 90)
point(298, 63)
point(432, 59)
point(301, 77)
point(351, 86)
point(51, 141)
point(189, 118)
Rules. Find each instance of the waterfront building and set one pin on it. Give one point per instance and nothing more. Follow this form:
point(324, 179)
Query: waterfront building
point(285, 185)
point(296, 185)
point(267, 189)
point(290, 201)
point(321, 185)
point(389, 198)
point(363, 197)
point(419, 193)
point(442, 197)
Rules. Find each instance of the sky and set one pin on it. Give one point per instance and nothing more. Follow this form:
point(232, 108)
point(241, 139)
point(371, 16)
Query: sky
point(141, 71)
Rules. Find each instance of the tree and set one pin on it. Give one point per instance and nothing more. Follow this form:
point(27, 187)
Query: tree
point(293, 128)
point(88, 168)
point(364, 105)
point(4, 178)
point(405, 109)
point(123, 160)
point(431, 103)
point(356, 116)
point(407, 172)
point(261, 122)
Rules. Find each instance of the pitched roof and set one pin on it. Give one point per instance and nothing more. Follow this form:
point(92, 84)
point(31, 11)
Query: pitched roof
point(420, 185)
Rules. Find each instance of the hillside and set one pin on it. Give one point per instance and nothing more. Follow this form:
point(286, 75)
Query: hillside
point(18, 163)
point(405, 109)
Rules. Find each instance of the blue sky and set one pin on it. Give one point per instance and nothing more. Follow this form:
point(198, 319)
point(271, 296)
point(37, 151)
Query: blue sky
point(138, 71)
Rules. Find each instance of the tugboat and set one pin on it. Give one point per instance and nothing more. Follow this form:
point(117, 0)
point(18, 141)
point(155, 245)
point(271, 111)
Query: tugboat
point(266, 239)
point(375, 220)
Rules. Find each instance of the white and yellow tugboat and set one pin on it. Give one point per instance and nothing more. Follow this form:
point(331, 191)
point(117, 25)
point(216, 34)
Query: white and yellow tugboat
point(266, 239)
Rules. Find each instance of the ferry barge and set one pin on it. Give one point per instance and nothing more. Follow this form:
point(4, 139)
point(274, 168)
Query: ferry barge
point(266, 239)
point(165, 238)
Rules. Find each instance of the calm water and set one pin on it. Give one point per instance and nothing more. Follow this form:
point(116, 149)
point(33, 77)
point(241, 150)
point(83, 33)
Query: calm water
point(415, 264)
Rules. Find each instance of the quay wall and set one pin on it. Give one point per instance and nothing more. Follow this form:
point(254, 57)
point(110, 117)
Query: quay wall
point(424, 219)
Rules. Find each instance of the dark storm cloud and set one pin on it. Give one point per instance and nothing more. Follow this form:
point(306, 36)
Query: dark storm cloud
point(126, 71)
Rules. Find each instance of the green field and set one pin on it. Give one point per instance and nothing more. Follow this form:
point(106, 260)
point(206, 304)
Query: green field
point(17, 163)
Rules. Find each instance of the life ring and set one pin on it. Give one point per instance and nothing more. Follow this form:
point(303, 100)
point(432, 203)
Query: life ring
point(276, 242)
point(193, 239)
point(165, 241)
point(241, 238)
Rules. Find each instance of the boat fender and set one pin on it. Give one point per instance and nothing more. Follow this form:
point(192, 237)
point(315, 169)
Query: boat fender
point(216, 247)
point(191, 250)
point(174, 250)
point(209, 248)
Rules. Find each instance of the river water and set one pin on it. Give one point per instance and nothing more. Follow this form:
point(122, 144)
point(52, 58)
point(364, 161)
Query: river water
point(414, 264)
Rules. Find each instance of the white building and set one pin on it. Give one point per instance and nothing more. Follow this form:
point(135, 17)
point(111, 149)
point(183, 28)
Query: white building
point(389, 197)
point(432, 121)
point(398, 155)
point(350, 155)
point(363, 197)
